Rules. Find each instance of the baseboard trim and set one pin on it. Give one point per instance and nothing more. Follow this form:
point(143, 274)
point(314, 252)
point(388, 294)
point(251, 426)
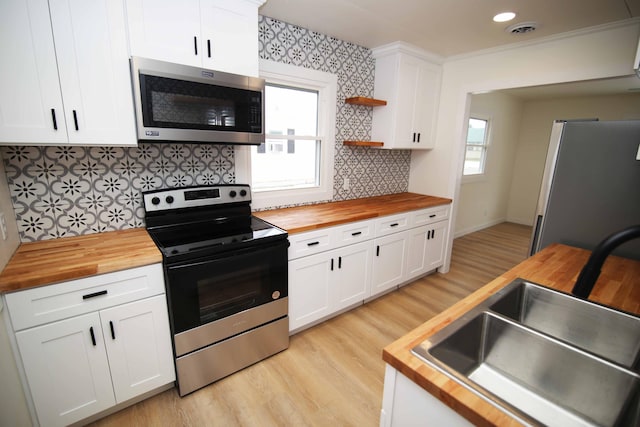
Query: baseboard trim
point(460, 233)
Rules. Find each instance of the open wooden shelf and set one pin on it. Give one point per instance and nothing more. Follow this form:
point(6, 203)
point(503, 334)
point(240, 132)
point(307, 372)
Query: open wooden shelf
point(363, 143)
point(369, 102)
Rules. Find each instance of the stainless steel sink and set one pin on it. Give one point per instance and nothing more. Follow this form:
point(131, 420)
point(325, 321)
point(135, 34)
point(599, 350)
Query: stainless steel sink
point(601, 330)
point(514, 352)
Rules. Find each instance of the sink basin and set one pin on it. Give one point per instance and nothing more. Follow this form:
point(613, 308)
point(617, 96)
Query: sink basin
point(609, 333)
point(528, 350)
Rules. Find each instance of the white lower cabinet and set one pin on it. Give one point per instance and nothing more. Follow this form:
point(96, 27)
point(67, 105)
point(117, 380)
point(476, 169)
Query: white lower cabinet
point(425, 248)
point(389, 262)
point(68, 376)
point(334, 268)
point(404, 403)
point(325, 283)
point(81, 365)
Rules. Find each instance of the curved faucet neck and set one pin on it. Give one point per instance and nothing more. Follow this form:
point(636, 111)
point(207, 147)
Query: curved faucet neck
point(591, 270)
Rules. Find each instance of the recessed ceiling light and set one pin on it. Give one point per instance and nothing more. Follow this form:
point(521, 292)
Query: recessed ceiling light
point(504, 17)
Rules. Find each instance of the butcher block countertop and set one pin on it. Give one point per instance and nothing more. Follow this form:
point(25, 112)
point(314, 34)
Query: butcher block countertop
point(50, 261)
point(557, 266)
point(312, 217)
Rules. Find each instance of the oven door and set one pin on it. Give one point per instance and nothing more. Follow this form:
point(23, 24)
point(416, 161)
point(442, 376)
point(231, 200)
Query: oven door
point(207, 290)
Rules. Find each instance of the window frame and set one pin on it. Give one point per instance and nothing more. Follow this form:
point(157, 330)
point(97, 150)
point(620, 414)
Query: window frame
point(326, 84)
point(487, 138)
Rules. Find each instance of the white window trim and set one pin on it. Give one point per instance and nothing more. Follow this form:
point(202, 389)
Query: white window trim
point(479, 176)
point(327, 83)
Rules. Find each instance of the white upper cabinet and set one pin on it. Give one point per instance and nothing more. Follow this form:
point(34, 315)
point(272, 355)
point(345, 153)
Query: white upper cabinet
point(215, 34)
point(65, 75)
point(410, 83)
point(31, 99)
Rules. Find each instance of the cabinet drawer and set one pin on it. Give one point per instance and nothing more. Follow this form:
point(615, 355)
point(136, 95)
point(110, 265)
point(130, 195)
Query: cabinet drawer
point(353, 233)
point(54, 302)
point(309, 243)
point(429, 216)
point(392, 224)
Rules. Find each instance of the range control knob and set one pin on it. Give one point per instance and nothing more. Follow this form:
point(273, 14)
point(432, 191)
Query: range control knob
point(232, 193)
point(169, 199)
point(243, 193)
point(155, 201)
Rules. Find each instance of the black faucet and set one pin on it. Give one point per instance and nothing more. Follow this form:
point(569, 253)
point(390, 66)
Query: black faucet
point(591, 269)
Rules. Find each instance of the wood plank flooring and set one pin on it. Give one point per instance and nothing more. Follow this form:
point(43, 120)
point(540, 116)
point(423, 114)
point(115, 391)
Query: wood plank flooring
point(332, 374)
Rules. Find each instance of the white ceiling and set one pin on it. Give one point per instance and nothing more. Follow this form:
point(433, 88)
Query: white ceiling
point(455, 27)
point(445, 27)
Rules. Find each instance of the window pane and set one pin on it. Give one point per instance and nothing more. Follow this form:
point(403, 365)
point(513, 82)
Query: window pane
point(285, 164)
point(474, 160)
point(290, 108)
point(476, 147)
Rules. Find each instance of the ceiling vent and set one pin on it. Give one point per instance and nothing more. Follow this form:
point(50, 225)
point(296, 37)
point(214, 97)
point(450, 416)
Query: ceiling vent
point(522, 28)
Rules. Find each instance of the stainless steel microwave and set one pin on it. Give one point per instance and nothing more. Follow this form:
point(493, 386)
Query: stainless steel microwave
point(176, 102)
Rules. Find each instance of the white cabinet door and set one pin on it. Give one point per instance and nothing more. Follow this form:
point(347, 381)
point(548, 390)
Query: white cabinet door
point(417, 248)
point(230, 36)
point(427, 97)
point(166, 30)
point(406, 133)
point(437, 240)
point(309, 289)
point(67, 370)
point(352, 279)
point(93, 63)
point(215, 34)
point(388, 262)
point(31, 102)
point(138, 345)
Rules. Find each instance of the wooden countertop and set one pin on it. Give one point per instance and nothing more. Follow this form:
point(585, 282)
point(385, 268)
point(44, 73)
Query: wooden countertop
point(312, 217)
point(557, 266)
point(51, 261)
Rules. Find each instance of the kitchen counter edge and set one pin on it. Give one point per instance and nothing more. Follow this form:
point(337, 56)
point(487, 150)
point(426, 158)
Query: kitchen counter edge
point(52, 261)
point(557, 266)
point(299, 219)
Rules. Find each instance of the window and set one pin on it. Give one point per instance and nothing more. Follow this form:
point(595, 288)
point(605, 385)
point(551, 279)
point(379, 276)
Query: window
point(295, 164)
point(288, 159)
point(476, 147)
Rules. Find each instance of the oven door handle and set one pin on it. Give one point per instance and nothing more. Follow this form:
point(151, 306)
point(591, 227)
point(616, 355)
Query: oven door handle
point(221, 257)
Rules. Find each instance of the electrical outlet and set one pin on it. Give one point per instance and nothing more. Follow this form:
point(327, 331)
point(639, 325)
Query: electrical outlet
point(345, 184)
point(3, 226)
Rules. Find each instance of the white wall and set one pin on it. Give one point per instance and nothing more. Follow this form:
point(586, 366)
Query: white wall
point(534, 139)
point(483, 201)
point(13, 406)
point(603, 52)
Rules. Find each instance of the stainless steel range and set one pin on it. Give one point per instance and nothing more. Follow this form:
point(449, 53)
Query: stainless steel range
point(226, 279)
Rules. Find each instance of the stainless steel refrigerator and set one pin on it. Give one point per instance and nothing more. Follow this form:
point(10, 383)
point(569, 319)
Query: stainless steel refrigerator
point(591, 185)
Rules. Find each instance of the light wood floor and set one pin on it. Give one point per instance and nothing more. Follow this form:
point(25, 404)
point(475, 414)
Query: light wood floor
point(332, 374)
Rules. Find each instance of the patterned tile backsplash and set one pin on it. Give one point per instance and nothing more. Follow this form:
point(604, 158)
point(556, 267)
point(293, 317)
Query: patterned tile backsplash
point(68, 191)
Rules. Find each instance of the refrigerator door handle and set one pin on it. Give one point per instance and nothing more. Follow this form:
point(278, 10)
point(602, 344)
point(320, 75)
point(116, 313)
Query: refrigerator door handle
point(535, 235)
